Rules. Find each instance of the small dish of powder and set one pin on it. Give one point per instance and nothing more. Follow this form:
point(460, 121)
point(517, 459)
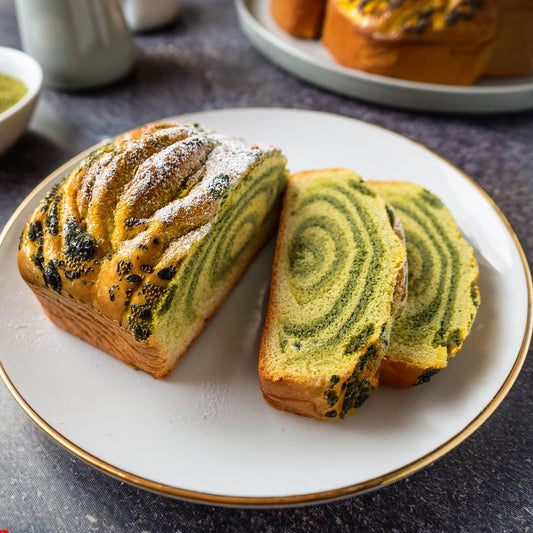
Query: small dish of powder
point(21, 79)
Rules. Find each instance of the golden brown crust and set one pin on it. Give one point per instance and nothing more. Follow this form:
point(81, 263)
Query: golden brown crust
point(400, 374)
point(512, 53)
point(453, 55)
point(293, 397)
point(460, 21)
point(300, 18)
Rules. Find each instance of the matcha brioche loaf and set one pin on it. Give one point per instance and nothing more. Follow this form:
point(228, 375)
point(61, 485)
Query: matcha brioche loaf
point(443, 296)
point(338, 278)
point(135, 249)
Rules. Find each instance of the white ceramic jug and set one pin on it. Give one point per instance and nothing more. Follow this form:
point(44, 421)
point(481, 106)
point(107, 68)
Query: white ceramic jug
point(144, 15)
point(78, 43)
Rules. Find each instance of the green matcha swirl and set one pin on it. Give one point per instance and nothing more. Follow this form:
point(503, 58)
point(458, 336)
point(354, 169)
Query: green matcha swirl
point(436, 273)
point(334, 259)
point(228, 241)
point(443, 296)
point(339, 275)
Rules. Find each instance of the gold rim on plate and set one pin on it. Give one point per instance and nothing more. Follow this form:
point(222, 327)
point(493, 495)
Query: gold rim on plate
point(315, 497)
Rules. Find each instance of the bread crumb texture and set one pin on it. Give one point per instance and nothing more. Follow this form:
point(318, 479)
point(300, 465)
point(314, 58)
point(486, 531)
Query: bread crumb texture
point(443, 296)
point(339, 263)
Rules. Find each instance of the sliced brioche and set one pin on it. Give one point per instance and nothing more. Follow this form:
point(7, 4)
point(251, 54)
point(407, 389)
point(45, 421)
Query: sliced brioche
point(134, 251)
point(338, 277)
point(443, 296)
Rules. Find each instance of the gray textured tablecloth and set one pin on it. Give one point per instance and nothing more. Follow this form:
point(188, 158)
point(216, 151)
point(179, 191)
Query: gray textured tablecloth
point(204, 62)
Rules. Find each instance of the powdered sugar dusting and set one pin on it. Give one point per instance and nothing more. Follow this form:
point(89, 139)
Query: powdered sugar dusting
point(165, 173)
point(196, 171)
point(230, 159)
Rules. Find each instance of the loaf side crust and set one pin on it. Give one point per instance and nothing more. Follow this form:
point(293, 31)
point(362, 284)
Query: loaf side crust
point(401, 374)
point(92, 327)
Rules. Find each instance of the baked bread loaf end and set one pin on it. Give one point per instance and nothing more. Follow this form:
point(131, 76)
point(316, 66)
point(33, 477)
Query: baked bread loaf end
point(135, 250)
point(299, 18)
point(443, 296)
point(434, 41)
point(338, 278)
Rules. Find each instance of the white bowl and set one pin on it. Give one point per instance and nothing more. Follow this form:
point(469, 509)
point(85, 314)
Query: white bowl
point(145, 15)
point(13, 121)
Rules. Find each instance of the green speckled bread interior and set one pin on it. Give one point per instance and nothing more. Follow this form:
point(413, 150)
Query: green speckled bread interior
point(443, 296)
point(338, 277)
point(248, 214)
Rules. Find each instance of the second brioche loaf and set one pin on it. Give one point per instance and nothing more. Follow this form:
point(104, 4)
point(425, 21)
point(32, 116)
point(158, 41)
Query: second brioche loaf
point(435, 41)
point(134, 251)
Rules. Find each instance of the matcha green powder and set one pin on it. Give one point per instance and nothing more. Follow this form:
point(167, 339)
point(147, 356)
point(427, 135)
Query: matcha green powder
point(11, 91)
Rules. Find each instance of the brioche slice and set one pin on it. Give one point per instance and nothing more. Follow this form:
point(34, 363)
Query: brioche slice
point(339, 276)
point(135, 250)
point(299, 18)
point(443, 296)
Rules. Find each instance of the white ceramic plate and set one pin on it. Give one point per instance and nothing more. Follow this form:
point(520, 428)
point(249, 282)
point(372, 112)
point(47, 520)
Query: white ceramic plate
point(205, 433)
point(311, 61)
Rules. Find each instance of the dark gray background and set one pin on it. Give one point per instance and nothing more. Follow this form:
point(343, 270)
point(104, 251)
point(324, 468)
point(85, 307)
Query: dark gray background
point(204, 62)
